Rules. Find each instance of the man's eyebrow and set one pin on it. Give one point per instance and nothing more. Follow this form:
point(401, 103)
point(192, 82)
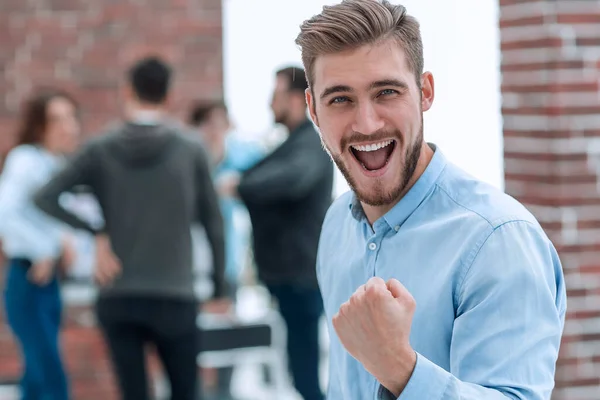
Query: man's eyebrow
point(389, 82)
point(335, 89)
point(377, 84)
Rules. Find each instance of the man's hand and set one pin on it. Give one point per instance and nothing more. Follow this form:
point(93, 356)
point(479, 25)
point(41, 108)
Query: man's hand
point(68, 255)
point(227, 185)
point(374, 326)
point(41, 272)
point(108, 266)
point(218, 306)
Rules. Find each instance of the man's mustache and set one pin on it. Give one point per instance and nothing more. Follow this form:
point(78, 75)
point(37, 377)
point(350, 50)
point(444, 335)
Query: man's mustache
point(382, 134)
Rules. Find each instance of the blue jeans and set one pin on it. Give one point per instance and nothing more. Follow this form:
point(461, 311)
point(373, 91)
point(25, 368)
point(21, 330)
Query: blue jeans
point(34, 315)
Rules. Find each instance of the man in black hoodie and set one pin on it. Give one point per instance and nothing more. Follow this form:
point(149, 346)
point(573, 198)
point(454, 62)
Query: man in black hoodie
point(152, 181)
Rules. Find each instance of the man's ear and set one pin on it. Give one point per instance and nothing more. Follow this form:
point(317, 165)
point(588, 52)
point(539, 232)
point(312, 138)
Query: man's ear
point(310, 103)
point(427, 91)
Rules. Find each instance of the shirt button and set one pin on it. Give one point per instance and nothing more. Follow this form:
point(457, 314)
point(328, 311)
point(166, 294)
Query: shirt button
point(372, 246)
point(397, 228)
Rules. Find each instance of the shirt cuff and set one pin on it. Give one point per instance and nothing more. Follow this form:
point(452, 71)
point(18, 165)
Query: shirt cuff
point(51, 251)
point(428, 381)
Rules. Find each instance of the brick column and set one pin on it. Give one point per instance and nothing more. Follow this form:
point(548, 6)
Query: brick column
point(551, 109)
point(84, 46)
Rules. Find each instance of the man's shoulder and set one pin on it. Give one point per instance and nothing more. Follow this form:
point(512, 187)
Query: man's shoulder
point(180, 130)
point(190, 146)
point(23, 157)
point(104, 136)
point(177, 133)
point(310, 135)
point(481, 199)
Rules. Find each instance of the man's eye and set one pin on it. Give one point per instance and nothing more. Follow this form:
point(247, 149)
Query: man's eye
point(387, 92)
point(339, 99)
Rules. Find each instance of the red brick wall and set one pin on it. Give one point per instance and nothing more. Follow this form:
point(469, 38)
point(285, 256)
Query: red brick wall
point(85, 47)
point(551, 108)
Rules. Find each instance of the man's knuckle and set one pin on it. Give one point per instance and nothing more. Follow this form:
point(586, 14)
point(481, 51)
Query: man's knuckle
point(345, 307)
point(377, 281)
point(375, 292)
point(409, 302)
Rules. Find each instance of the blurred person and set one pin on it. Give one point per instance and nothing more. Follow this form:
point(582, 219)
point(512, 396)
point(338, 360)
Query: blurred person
point(152, 182)
point(37, 246)
point(287, 195)
point(436, 285)
point(83, 203)
point(229, 155)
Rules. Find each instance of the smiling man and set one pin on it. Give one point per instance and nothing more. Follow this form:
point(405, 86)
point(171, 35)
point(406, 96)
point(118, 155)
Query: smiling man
point(436, 286)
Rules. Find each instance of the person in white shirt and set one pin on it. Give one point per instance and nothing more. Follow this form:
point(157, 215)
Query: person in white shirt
point(35, 244)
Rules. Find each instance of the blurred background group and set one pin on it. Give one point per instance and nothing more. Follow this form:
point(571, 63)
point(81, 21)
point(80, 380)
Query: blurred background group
point(517, 105)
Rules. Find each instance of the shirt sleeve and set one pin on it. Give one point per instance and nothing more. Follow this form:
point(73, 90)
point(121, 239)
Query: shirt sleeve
point(39, 235)
point(79, 171)
point(510, 317)
point(243, 154)
point(209, 213)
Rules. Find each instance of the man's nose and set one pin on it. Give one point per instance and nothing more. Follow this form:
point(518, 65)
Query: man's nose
point(366, 119)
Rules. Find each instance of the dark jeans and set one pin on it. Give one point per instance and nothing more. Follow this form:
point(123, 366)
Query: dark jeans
point(129, 323)
point(34, 315)
point(301, 309)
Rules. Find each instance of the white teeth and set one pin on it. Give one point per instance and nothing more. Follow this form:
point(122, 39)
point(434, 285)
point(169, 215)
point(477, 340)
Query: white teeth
point(372, 147)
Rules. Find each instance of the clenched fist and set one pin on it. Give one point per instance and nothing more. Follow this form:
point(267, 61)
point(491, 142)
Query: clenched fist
point(374, 327)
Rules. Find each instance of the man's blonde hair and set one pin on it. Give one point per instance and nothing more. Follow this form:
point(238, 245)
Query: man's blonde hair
point(354, 23)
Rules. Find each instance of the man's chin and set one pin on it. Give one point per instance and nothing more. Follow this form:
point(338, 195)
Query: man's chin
point(377, 194)
point(376, 200)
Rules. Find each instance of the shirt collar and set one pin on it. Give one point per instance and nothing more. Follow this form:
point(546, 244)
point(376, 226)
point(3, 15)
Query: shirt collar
point(413, 198)
point(146, 117)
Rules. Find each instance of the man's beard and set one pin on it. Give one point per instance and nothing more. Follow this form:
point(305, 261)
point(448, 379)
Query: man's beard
point(281, 118)
point(377, 195)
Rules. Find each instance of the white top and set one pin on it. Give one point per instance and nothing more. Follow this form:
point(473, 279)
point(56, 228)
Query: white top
point(25, 230)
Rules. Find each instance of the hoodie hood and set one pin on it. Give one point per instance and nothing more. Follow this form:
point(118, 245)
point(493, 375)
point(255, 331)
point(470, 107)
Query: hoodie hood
point(142, 145)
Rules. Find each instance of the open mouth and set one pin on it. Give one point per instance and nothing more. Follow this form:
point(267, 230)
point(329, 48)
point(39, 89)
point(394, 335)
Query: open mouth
point(374, 156)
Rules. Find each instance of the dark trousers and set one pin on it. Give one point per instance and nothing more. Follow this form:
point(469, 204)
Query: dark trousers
point(225, 374)
point(301, 309)
point(130, 323)
point(34, 315)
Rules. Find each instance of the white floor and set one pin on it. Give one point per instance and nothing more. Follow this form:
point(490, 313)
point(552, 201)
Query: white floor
point(247, 386)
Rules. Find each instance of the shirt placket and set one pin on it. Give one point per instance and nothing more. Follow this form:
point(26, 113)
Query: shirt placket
point(373, 246)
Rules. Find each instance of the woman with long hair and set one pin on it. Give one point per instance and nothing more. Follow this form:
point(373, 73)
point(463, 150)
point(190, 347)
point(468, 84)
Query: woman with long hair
point(34, 243)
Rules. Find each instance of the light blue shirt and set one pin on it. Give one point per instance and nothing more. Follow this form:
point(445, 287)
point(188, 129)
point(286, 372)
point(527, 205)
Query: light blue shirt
point(240, 155)
point(487, 281)
point(26, 231)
